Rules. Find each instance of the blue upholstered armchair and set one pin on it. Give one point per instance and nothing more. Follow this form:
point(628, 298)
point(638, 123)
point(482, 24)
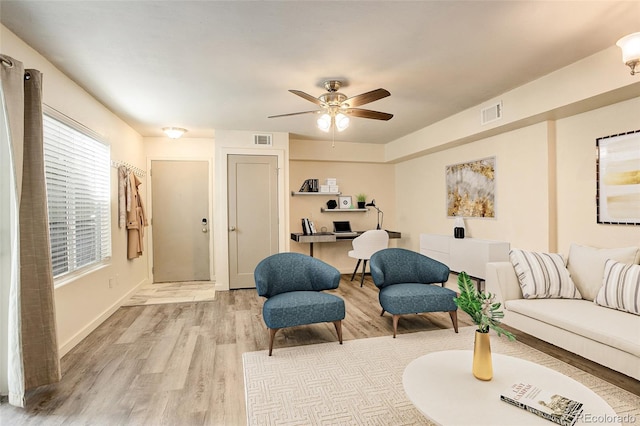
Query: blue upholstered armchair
point(293, 284)
point(406, 281)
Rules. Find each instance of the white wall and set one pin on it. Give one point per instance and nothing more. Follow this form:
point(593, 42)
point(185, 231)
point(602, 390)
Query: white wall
point(86, 301)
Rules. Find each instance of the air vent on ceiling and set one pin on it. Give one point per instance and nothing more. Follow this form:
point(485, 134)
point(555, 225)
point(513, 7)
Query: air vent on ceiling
point(264, 140)
point(491, 113)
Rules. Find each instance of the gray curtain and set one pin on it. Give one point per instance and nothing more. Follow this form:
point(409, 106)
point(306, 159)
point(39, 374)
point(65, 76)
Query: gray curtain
point(33, 349)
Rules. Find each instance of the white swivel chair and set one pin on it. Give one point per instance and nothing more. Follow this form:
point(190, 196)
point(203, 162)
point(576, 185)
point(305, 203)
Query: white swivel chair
point(365, 245)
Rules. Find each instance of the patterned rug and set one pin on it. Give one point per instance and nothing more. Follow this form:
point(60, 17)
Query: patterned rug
point(178, 292)
point(360, 382)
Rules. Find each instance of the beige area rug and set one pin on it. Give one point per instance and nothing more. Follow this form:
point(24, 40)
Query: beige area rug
point(360, 382)
point(179, 292)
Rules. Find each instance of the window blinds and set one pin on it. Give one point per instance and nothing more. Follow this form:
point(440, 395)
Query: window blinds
point(78, 196)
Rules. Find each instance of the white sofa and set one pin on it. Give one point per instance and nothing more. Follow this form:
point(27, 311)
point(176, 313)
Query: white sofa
point(607, 336)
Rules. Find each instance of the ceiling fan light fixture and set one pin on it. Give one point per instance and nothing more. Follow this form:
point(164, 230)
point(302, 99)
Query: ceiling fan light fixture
point(342, 122)
point(630, 46)
point(174, 132)
point(324, 122)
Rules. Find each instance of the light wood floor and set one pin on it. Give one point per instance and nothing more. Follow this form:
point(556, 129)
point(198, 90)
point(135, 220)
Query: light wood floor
point(180, 364)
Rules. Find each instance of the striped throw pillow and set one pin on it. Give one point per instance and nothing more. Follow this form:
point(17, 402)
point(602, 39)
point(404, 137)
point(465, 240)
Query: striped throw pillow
point(620, 287)
point(543, 275)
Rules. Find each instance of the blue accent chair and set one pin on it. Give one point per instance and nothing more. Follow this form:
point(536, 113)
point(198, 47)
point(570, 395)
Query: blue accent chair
point(293, 284)
point(406, 281)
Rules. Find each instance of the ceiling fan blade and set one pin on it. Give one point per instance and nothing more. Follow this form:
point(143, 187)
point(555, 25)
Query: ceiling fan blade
point(365, 98)
point(307, 96)
point(367, 113)
point(296, 113)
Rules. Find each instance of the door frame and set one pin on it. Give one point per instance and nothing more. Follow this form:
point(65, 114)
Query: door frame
point(221, 214)
point(149, 210)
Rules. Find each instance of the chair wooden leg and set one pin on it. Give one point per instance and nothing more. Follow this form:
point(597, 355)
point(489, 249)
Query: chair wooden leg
point(382, 313)
point(454, 319)
point(272, 335)
point(338, 326)
point(355, 270)
point(395, 325)
point(364, 266)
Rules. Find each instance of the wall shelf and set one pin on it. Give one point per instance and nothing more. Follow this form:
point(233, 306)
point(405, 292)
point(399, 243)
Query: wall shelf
point(316, 193)
point(325, 210)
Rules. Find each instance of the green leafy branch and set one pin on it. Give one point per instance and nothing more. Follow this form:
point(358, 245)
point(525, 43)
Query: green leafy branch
point(480, 306)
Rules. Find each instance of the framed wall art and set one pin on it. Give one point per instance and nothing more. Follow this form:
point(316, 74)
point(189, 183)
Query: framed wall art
point(618, 179)
point(471, 188)
point(344, 202)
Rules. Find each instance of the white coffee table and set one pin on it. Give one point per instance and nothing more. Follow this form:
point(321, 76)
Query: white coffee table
point(442, 387)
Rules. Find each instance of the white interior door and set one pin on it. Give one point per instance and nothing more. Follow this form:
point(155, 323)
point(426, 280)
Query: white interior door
point(180, 220)
point(253, 214)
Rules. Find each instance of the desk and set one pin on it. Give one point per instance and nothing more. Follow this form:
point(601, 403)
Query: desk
point(330, 237)
point(440, 383)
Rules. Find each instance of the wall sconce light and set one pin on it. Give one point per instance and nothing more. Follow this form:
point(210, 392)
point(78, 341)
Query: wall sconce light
point(630, 46)
point(174, 132)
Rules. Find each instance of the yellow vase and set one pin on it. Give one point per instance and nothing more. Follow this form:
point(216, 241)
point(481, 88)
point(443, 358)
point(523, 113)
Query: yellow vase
point(482, 366)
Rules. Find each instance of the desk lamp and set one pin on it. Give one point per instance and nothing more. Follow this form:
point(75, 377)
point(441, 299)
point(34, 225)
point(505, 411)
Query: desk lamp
point(380, 213)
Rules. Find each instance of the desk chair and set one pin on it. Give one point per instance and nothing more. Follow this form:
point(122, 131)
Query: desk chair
point(365, 245)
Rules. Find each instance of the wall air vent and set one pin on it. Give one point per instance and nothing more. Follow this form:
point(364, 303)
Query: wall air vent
point(264, 140)
point(491, 113)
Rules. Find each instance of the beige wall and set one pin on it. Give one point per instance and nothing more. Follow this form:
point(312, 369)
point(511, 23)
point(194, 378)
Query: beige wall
point(376, 180)
point(545, 185)
point(84, 302)
point(521, 190)
point(577, 181)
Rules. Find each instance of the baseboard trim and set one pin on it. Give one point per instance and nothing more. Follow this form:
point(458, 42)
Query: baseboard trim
point(80, 335)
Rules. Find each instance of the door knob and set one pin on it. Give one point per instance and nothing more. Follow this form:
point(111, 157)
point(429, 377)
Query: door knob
point(232, 228)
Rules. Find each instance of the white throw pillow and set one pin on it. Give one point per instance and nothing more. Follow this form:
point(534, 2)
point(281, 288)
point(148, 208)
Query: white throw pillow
point(543, 275)
point(586, 265)
point(620, 287)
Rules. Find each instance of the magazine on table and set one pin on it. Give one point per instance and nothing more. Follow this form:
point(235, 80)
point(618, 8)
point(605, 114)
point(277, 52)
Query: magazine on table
point(549, 405)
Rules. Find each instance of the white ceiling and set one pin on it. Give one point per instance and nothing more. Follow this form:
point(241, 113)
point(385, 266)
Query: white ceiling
point(207, 65)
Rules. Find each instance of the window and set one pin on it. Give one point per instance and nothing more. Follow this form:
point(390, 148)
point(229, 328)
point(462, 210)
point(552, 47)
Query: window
point(78, 196)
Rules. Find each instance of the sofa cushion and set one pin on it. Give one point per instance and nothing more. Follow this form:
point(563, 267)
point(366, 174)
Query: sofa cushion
point(543, 275)
point(608, 326)
point(621, 287)
point(586, 265)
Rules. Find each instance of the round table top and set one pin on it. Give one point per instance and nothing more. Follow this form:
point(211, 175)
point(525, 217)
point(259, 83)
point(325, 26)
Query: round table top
point(442, 386)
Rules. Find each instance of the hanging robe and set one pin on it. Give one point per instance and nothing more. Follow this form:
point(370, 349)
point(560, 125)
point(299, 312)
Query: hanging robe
point(136, 218)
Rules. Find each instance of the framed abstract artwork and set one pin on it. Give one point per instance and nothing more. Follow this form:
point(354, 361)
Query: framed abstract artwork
point(618, 179)
point(471, 188)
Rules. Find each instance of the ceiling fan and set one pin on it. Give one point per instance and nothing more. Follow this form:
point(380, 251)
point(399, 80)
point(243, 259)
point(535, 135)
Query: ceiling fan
point(336, 107)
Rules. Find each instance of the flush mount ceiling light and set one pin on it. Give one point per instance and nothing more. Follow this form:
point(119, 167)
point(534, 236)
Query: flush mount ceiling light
point(174, 132)
point(630, 46)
